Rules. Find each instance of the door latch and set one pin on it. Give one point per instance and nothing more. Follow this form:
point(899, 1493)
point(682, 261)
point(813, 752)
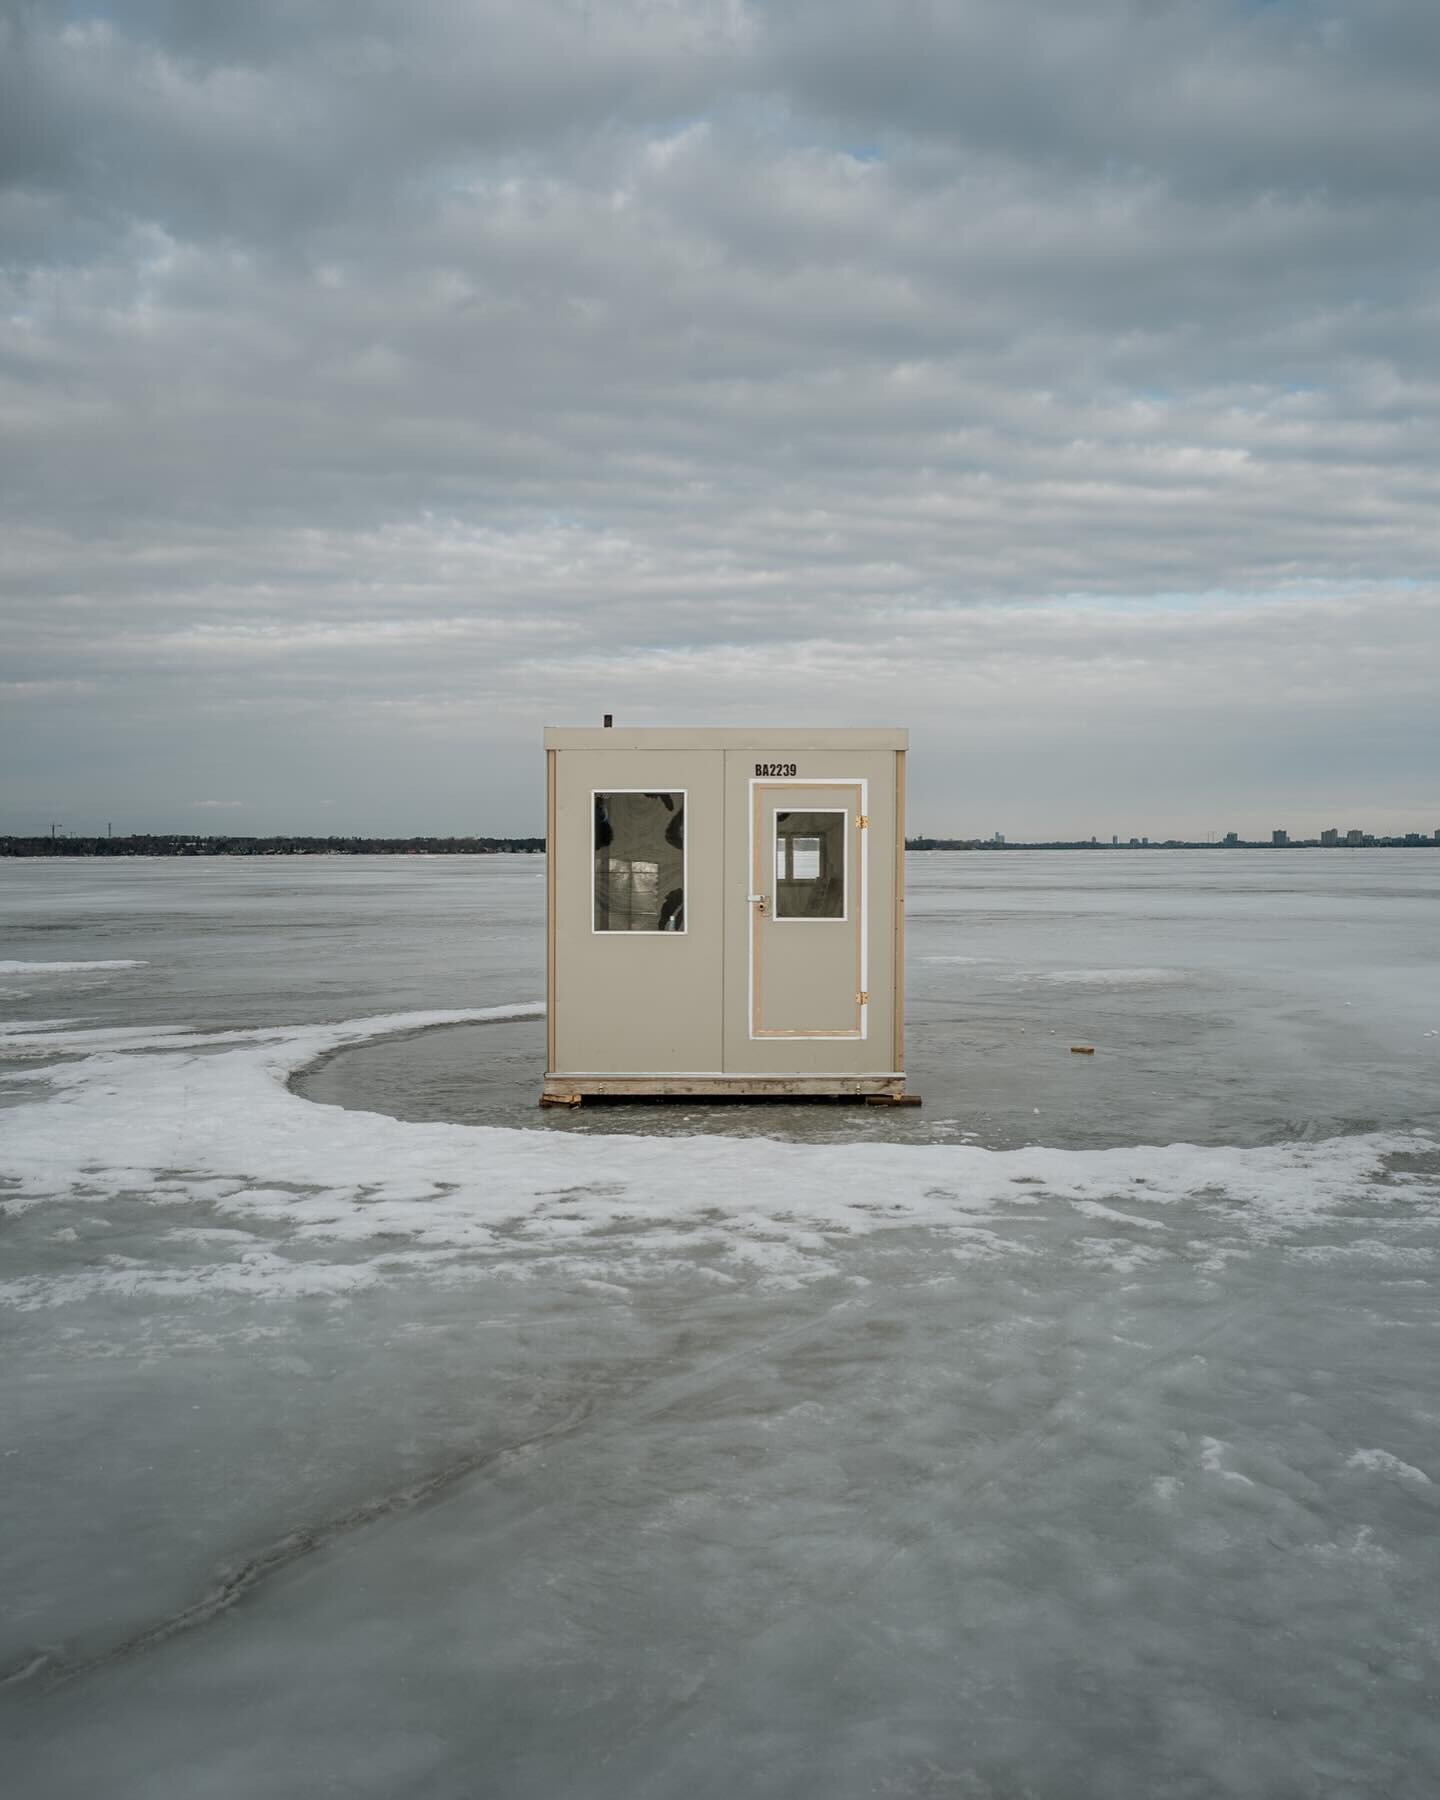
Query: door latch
point(757, 900)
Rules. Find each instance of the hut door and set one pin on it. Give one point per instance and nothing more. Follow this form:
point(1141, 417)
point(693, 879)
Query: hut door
point(807, 903)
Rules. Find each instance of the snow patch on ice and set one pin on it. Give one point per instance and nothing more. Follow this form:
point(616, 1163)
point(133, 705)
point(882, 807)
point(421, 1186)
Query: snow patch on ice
point(1094, 1210)
point(1212, 1454)
point(1118, 1255)
point(1110, 977)
point(1367, 1250)
point(333, 1200)
point(12, 967)
point(259, 1274)
point(1381, 1462)
point(1361, 1547)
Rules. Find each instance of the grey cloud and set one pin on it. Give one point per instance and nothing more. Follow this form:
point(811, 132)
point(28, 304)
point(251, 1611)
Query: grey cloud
point(1206, 94)
point(256, 124)
point(376, 382)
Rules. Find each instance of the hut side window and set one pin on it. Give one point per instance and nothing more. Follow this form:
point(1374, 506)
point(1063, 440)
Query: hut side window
point(640, 862)
point(810, 865)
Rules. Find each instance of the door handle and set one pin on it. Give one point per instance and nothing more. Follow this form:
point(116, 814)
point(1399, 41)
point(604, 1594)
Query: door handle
point(757, 900)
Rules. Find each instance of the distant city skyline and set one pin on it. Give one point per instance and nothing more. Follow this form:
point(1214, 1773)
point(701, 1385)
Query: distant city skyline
point(1279, 839)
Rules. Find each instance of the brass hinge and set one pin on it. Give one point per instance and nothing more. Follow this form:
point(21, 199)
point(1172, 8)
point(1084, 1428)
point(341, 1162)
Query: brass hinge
point(862, 999)
point(862, 820)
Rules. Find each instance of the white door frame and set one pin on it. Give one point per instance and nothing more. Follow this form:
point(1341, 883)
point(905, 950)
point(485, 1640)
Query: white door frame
point(862, 857)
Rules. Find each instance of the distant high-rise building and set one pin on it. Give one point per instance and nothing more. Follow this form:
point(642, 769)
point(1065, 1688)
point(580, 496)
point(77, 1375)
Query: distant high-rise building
point(1231, 837)
point(999, 838)
point(1330, 837)
point(1116, 838)
point(1355, 836)
point(1279, 836)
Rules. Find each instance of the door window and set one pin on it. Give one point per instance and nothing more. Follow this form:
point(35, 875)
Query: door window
point(810, 865)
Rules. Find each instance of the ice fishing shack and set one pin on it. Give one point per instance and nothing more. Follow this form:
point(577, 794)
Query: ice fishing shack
point(725, 913)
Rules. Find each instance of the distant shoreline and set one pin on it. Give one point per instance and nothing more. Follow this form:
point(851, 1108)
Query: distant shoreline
point(1412, 840)
point(183, 845)
point(186, 844)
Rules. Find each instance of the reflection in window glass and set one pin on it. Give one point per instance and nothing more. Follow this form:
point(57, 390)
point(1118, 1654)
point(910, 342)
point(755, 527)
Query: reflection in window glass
point(805, 859)
point(810, 865)
point(640, 862)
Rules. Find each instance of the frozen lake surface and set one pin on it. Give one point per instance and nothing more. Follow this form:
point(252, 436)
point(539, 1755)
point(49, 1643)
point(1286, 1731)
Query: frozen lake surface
point(366, 1431)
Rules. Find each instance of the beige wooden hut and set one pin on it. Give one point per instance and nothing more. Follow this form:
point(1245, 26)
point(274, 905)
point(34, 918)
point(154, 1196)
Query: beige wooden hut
point(725, 913)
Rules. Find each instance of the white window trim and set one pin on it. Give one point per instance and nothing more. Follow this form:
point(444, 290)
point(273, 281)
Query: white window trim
point(843, 916)
point(684, 794)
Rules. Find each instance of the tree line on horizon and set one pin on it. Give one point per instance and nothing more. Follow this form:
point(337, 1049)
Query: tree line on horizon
point(175, 843)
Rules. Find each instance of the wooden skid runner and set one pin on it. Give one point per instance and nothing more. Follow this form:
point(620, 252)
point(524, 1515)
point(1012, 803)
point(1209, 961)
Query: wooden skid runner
point(876, 1090)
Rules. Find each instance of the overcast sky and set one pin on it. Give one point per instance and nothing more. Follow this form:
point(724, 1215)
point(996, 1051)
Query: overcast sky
point(380, 382)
